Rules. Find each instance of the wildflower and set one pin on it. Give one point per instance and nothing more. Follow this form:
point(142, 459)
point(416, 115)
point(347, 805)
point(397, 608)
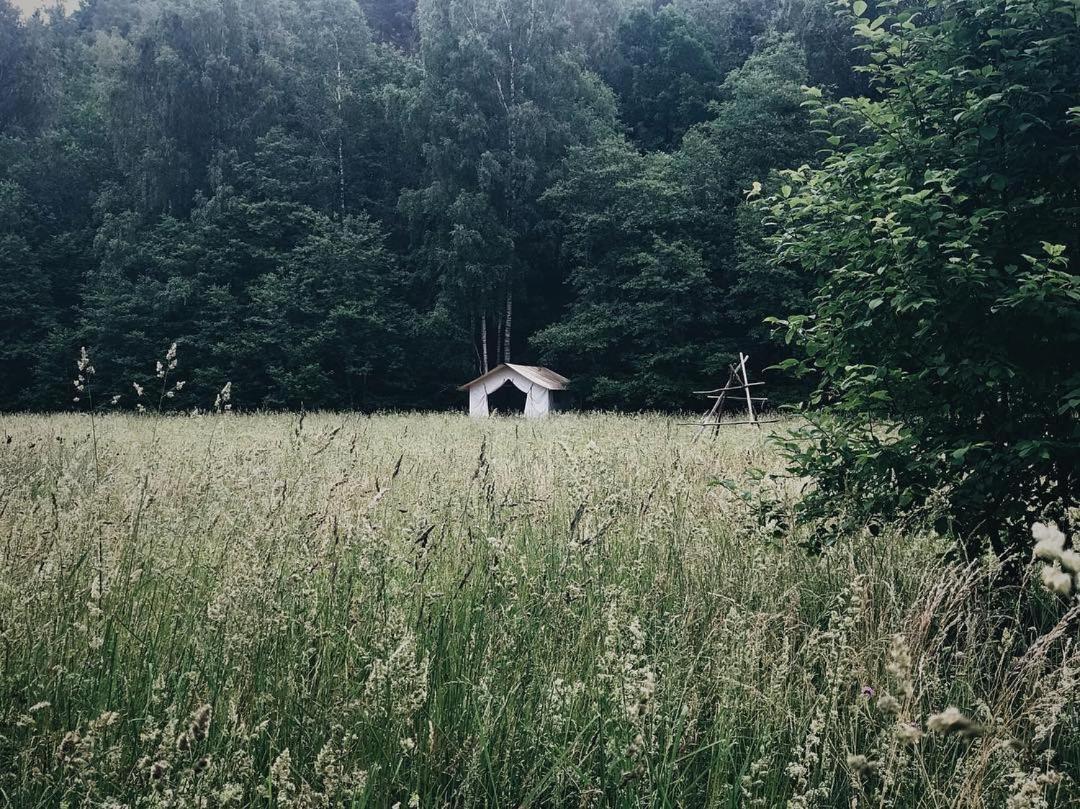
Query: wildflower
point(106, 720)
point(281, 772)
point(1029, 790)
point(1056, 581)
point(86, 370)
point(39, 706)
point(408, 745)
point(1049, 541)
point(230, 793)
point(160, 369)
point(83, 364)
point(222, 402)
point(158, 769)
point(952, 721)
point(115, 399)
point(138, 388)
point(202, 763)
point(795, 770)
point(180, 385)
point(867, 692)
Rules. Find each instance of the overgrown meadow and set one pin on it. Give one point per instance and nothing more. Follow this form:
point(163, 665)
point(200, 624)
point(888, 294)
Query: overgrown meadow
point(422, 610)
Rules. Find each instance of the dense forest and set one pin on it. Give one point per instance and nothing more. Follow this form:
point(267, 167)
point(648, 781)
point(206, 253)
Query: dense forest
point(361, 204)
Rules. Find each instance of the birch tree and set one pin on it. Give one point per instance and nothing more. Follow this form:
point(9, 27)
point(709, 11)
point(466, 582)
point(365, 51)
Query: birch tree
point(506, 93)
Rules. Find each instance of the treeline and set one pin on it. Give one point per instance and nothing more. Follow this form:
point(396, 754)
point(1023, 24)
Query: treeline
point(362, 203)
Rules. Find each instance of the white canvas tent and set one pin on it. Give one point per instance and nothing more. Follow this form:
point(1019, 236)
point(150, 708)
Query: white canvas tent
point(538, 384)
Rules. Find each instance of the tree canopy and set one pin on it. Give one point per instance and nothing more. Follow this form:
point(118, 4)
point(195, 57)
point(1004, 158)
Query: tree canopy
point(311, 197)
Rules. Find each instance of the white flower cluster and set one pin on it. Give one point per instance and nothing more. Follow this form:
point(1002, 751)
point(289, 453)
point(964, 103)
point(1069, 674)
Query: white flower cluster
point(1061, 573)
point(86, 370)
point(223, 402)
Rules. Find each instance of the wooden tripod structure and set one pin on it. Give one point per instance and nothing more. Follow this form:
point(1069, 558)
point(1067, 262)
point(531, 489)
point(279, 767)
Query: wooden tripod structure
point(738, 382)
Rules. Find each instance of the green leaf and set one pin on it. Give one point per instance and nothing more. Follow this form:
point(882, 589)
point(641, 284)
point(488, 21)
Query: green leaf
point(988, 132)
point(785, 190)
point(859, 7)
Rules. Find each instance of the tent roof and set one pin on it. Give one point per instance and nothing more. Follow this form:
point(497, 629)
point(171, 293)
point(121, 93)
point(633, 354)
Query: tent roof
point(544, 377)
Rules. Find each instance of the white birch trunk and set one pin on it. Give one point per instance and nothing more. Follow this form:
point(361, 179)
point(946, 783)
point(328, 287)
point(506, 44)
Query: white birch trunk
point(483, 344)
point(340, 145)
point(509, 317)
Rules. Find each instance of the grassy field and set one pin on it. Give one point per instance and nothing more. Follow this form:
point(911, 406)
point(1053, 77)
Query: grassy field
point(352, 611)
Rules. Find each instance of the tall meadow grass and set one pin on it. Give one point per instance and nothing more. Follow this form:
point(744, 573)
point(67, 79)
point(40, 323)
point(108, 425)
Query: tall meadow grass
point(339, 610)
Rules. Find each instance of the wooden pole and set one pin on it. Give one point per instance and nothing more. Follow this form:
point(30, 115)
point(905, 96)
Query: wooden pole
point(758, 422)
point(746, 382)
point(730, 387)
point(715, 412)
point(719, 414)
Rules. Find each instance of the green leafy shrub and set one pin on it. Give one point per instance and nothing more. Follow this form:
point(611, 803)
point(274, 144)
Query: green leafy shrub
point(945, 332)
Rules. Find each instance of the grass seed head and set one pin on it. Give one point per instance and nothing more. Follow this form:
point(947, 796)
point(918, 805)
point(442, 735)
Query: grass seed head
point(860, 765)
point(909, 733)
point(952, 721)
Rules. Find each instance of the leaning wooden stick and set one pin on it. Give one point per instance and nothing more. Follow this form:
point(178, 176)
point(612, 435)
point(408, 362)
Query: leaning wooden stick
point(746, 389)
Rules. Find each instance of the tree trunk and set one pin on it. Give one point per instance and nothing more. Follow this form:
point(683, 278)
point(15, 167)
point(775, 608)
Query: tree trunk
point(483, 344)
point(340, 146)
point(506, 327)
point(499, 339)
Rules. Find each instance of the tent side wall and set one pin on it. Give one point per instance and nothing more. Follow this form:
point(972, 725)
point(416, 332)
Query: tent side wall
point(537, 402)
point(478, 402)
